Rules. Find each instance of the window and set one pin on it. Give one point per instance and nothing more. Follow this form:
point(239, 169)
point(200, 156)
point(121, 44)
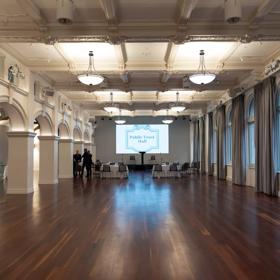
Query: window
point(251, 132)
point(229, 136)
point(278, 129)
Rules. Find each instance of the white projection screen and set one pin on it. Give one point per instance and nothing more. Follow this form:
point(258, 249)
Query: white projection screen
point(149, 138)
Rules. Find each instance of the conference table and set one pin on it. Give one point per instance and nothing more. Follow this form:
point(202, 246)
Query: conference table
point(114, 171)
point(165, 170)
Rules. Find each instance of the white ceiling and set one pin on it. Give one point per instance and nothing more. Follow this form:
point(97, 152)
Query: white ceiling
point(143, 48)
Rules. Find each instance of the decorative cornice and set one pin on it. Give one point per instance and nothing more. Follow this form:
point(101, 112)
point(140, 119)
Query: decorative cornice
point(49, 137)
point(21, 134)
point(63, 140)
point(78, 142)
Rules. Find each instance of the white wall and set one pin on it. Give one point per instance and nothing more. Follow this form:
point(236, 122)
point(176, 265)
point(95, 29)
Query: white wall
point(4, 144)
point(179, 140)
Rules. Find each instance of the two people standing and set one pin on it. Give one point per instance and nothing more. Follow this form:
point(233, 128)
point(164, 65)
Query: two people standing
point(80, 162)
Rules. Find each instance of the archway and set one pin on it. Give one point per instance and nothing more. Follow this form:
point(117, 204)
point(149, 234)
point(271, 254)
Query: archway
point(16, 143)
point(45, 150)
point(65, 151)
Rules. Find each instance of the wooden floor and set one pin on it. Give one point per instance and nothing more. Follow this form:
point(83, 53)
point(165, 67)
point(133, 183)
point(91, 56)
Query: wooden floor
point(191, 228)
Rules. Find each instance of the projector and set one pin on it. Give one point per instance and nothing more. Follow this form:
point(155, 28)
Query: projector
point(64, 11)
point(232, 11)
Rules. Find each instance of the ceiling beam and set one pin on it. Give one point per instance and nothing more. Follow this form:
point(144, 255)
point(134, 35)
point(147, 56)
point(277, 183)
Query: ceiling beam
point(136, 32)
point(121, 54)
point(32, 11)
point(110, 10)
point(185, 8)
point(266, 7)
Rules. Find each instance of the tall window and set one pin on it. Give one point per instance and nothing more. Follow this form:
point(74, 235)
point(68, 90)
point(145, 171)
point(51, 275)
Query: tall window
point(229, 136)
point(278, 129)
point(251, 131)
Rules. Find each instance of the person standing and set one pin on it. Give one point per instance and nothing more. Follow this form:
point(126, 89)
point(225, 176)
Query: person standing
point(85, 160)
point(89, 164)
point(76, 163)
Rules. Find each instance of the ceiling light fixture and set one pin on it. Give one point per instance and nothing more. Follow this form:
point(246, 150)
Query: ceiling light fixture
point(120, 120)
point(177, 107)
point(202, 77)
point(167, 120)
point(91, 78)
point(111, 108)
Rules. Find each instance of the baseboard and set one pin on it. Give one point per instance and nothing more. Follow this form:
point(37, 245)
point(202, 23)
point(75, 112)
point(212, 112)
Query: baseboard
point(65, 177)
point(19, 190)
point(48, 182)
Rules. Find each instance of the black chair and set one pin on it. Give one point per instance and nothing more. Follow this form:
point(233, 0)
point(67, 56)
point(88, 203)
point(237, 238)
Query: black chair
point(105, 169)
point(173, 170)
point(185, 168)
point(195, 166)
point(132, 158)
point(123, 170)
point(157, 170)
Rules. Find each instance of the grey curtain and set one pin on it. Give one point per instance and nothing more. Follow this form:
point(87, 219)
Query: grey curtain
point(238, 141)
point(265, 122)
point(196, 141)
point(202, 144)
point(210, 143)
point(221, 143)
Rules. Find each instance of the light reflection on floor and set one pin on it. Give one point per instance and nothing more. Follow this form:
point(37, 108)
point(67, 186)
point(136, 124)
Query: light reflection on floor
point(142, 198)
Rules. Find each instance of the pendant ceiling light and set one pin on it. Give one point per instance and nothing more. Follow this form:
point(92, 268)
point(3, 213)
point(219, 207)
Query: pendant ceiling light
point(178, 107)
point(202, 77)
point(120, 120)
point(167, 120)
point(91, 78)
point(111, 108)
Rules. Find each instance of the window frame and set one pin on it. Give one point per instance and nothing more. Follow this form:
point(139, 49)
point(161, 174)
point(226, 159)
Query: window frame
point(251, 122)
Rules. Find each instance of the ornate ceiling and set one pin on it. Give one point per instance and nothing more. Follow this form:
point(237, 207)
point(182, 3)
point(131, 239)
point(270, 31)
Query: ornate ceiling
point(143, 48)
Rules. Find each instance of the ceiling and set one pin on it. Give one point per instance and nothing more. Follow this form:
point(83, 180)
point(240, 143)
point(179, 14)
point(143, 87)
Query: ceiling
point(143, 54)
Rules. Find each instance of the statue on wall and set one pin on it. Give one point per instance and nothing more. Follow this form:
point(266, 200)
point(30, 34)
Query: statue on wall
point(14, 72)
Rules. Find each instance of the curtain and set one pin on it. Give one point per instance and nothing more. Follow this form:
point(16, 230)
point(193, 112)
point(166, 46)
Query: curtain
point(265, 125)
point(210, 143)
point(202, 144)
point(196, 142)
point(221, 147)
point(238, 141)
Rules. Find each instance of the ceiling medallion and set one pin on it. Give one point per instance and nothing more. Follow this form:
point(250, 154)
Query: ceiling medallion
point(91, 78)
point(202, 77)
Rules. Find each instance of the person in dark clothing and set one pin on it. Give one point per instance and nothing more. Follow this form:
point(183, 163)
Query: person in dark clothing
point(89, 164)
point(85, 158)
point(77, 158)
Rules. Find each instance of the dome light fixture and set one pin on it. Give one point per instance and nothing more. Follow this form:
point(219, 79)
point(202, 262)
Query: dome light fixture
point(202, 77)
point(111, 108)
point(91, 78)
point(120, 120)
point(167, 120)
point(178, 107)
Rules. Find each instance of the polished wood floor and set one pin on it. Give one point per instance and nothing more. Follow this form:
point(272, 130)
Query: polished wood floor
point(140, 228)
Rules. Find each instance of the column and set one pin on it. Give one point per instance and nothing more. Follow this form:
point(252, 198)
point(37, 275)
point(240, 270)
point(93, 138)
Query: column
point(79, 145)
point(65, 158)
point(20, 162)
point(48, 160)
